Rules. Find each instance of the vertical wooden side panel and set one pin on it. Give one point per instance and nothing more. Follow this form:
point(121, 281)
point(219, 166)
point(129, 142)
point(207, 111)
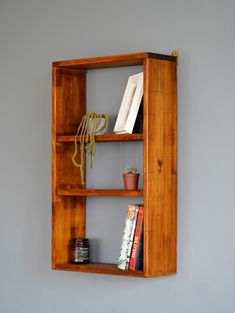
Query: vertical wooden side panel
point(160, 167)
point(68, 107)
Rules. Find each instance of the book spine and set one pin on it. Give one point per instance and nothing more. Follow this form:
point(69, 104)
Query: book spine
point(139, 258)
point(137, 238)
point(128, 235)
point(132, 238)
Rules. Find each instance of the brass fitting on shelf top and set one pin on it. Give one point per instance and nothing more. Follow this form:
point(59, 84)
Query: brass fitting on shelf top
point(175, 53)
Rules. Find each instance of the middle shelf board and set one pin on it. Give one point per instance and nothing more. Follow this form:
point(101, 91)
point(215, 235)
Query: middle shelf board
point(75, 191)
point(105, 137)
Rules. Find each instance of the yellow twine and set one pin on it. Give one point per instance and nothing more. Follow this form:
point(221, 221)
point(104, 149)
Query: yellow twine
point(87, 130)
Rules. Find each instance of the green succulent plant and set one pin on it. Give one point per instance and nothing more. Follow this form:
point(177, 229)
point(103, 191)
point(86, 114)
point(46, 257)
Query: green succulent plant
point(130, 170)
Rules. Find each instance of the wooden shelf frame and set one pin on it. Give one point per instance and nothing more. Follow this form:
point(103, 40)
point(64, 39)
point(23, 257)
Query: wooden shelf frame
point(159, 151)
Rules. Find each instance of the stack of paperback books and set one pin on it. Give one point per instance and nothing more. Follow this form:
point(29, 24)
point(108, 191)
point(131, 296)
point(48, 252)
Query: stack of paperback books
point(131, 254)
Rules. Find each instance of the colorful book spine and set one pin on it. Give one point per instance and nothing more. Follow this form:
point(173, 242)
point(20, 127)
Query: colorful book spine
point(128, 235)
point(139, 259)
point(136, 259)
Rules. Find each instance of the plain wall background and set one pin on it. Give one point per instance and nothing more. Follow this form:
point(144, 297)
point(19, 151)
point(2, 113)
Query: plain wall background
point(35, 33)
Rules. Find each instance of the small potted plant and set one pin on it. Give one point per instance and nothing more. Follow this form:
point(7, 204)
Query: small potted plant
point(130, 178)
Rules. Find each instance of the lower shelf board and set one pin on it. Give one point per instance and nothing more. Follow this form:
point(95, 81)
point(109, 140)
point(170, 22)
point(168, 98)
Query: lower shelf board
point(98, 268)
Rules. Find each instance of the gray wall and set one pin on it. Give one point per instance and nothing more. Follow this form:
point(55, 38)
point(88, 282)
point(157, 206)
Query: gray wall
point(32, 35)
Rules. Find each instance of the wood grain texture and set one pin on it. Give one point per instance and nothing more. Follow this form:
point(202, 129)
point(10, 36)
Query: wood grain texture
point(67, 173)
point(68, 214)
point(75, 191)
point(105, 138)
point(113, 61)
point(98, 268)
point(159, 142)
point(70, 86)
point(159, 167)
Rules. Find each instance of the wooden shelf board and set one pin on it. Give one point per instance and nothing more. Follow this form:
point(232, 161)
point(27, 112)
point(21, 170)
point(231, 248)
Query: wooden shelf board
point(98, 268)
point(112, 61)
point(75, 191)
point(105, 138)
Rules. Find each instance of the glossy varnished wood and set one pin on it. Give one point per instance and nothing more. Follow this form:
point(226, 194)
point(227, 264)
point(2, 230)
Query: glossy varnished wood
point(68, 221)
point(68, 214)
point(75, 191)
point(70, 99)
point(105, 138)
point(113, 61)
point(160, 172)
point(98, 268)
point(160, 167)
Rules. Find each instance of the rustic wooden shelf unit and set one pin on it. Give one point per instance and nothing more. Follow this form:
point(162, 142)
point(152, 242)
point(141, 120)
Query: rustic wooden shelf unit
point(159, 149)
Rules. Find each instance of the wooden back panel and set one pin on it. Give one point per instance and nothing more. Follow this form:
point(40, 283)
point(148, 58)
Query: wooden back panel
point(70, 95)
point(160, 167)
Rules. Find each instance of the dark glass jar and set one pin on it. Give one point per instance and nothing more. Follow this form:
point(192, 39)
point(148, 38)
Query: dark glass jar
point(79, 250)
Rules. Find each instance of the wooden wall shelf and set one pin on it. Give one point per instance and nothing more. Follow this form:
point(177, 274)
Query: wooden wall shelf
point(159, 155)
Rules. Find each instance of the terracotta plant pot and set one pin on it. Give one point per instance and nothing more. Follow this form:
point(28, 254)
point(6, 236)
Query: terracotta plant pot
point(131, 181)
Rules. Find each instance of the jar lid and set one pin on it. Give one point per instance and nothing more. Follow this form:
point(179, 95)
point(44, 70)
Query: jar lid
point(78, 240)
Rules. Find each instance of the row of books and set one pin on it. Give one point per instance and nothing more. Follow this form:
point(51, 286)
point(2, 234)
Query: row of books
point(131, 254)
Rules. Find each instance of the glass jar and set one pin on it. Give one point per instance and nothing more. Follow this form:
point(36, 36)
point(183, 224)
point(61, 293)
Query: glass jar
point(79, 250)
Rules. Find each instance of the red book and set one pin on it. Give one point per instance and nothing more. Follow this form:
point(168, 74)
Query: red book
point(137, 238)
